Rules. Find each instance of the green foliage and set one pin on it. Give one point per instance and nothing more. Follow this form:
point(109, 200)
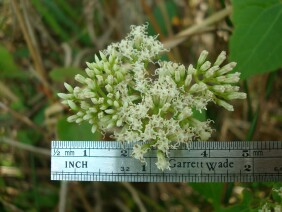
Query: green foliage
point(212, 192)
point(8, 68)
point(63, 74)
point(74, 132)
point(7, 62)
point(171, 11)
point(256, 42)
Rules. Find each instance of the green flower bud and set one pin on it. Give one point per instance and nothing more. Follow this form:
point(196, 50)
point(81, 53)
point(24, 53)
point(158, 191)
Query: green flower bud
point(221, 57)
point(202, 58)
point(80, 78)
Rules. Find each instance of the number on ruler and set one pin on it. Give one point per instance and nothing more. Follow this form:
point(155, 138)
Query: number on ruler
point(123, 153)
point(205, 154)
point(125, 169)
point(245, 153)
point(144, 168)
point(247, 167)
point(56, 152)
point(84, 153)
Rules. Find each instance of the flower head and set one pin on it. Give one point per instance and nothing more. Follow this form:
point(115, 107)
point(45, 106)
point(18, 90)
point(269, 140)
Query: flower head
point(117, 95)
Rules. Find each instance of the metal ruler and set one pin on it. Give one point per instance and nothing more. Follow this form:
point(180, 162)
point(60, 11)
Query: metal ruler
point(235, 161)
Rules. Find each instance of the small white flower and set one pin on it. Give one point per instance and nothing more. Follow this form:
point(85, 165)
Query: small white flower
point(162, 162)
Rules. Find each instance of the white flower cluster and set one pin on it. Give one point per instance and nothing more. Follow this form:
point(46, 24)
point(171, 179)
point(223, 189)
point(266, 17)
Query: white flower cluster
point(118, 95)
point(273, 206)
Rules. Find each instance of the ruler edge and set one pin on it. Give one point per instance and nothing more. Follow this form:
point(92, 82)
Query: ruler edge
point(188, 145)
point(176, 181)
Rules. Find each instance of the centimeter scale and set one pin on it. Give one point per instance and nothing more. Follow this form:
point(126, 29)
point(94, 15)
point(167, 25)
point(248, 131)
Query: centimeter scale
point(235, 161)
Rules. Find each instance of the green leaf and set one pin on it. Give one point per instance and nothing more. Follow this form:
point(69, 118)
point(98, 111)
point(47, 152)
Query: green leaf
point(171, 10)
point(201, 116)
point(8, 68)
point(212, 192)
point(63, 74)
point(28, 136)
point(7, 62)
point(256, 42)
point(73, 131)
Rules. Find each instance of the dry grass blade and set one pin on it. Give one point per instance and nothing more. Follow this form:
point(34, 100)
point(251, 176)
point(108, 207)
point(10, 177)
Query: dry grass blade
point(5, 91)
point(31, 46)
point(19, 117)
point(27, 147)
point(63, 196)
point(183, 35)
point(135, 196)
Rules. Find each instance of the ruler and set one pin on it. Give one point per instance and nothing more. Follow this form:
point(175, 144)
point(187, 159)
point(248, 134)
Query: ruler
point(213, 161)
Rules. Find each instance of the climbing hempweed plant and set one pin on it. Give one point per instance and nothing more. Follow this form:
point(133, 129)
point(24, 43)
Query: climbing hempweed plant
point(121, 96)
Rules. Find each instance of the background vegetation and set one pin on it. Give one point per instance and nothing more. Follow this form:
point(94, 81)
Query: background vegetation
point(46, 42)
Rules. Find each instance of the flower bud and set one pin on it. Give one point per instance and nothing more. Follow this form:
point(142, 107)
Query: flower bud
point(236, 95)
point(110, 79)
point(116, 104)
point(87, 117)
point(93, 129)
point(88, 95)
point(90, 65)
point(205, 66)
point(90, 72)
point(90, 83)
point(117, 95)
point(188, 80)
point(79, 120)
point(103, 107)
point(229, 78)
point(64, 96)
point(68, 87)
point(72, 105)
point(92, 110)
point(218, 88)
point(80, 78)
point(191, 69)
point(221, 57)
point(72, 118)
point(177, 75)
point(109, 88)
point(103, 57)
point(202, 58)
point(224, 104)
point(110, 102)
point(204, 135)
point(227, 68)
point(110, 125)
point(100, 79)
point(97, 60)
point(84, 105)
point(119, 123)
point(211, 71)
point(120, 76)
point(107, 68)
point(199, 87)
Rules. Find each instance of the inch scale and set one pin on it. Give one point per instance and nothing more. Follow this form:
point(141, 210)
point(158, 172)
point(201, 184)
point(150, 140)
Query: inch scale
point(235, 161)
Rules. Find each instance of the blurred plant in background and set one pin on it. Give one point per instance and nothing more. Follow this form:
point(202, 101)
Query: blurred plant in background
point(46, 42)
